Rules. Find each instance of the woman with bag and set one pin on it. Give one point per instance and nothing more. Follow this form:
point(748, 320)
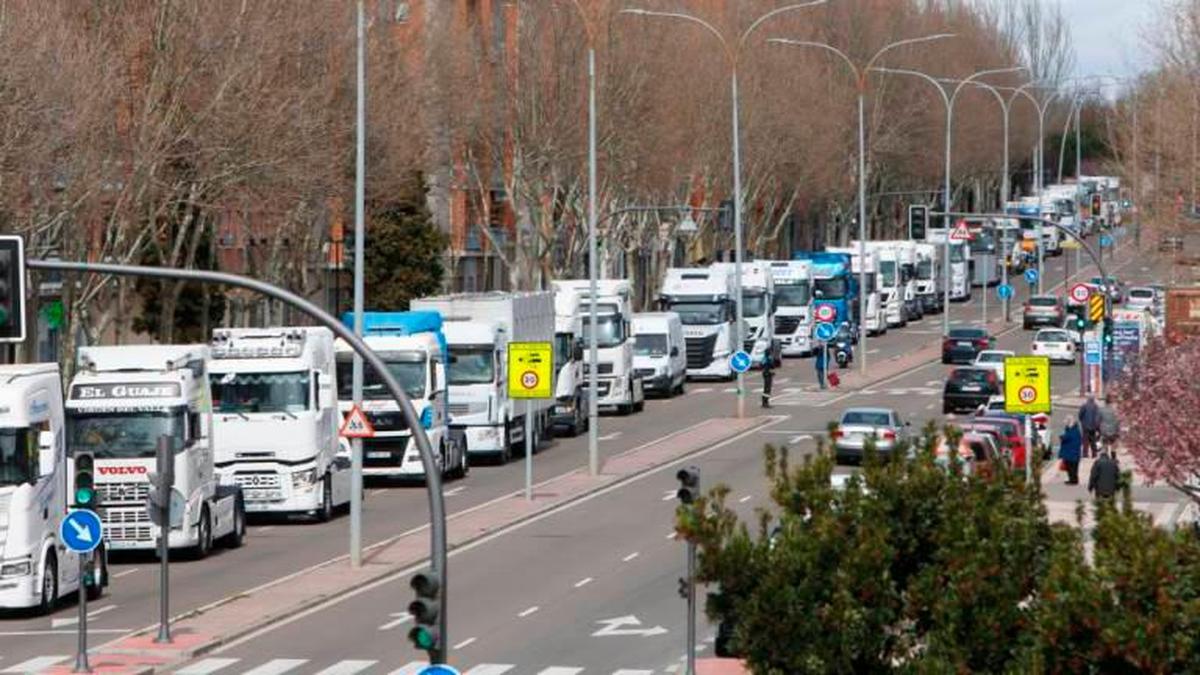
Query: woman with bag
point(1070, 445)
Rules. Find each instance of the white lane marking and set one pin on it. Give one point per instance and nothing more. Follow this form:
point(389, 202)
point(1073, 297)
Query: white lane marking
point(783, 380)
point(489, 669)
point(400, 619)
point(464, 643)
point(873, 351)
point(701, 390)
point(629, 557)
point(125, 573)
point(207, 666)
point(745, 499)
point(608, 437)
point(453, 491)
point(529, 611)
point(347, 667)
point(413, 668)
point(801, 437)
point(68, 631)
point(71, 621)
point(729, 390)
point(668, 495)
point(626, 671)
point(583, 582)
point(931, 406)
point(35, 665)
point(670, 535)
point(268, 528)
point(276, 667)
point(560, 670)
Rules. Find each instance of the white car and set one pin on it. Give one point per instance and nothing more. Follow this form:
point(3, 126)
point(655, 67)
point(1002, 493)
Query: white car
point(1056, 343)
point(993, 359)
point(1141, 297)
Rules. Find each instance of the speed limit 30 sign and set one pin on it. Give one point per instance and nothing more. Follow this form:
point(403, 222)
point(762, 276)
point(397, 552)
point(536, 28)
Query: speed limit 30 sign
point(1027, 384)
point(1080, 293)
point(530, 370)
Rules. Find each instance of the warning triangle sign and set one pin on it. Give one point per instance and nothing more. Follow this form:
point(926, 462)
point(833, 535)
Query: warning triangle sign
point(356, 425)
point(960, 232)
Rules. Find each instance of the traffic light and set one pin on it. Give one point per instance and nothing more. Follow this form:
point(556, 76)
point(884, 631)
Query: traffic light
point(163, 478)
point(12, 289)
point(1080, 322)
point(425, 611)
point(85, 481)
point(918, 221)
point(689, 484)
point(1108, 331)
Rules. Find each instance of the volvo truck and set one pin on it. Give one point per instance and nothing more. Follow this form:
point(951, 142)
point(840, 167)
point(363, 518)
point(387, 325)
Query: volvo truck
point(619, 386)
point(121, 401)
point(413, 347)
point(275, 419)
point(478, 329)
point(758, 311)
point(704, 300)
point(793, 311)
point(36, 568)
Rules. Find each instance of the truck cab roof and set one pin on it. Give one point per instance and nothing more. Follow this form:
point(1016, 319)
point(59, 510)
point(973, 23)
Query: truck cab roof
point(29, 393)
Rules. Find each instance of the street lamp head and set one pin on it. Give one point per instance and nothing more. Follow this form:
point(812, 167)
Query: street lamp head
point(687, 225)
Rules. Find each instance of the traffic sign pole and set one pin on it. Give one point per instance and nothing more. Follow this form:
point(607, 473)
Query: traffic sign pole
point(529, 449)
point(166, 457)
point(81, 653)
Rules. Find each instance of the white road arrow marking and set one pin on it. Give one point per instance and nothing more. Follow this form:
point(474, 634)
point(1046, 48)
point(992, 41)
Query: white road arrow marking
point(81, 531)
point(400, 618)
point(614, 627)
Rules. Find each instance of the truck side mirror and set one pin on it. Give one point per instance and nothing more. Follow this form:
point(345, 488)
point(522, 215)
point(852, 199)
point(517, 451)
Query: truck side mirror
point(577, 351)
point(674, 351)
point(45, 453)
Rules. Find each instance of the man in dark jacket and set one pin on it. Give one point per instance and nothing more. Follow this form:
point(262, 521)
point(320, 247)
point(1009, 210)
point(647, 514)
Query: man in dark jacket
point(1089, 422)
point(1106, 475)
point(1070, 443)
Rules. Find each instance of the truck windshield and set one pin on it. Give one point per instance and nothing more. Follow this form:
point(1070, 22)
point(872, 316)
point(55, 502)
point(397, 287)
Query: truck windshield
point(18, 457)
point(925, 269)
point(650, 344)
point(887, 273)
point(958, 254)
point(793, 295)
point(610, 330)
point(831, 289)
point(699, 313)
point(409, 369)
point(563, 349)
point(260, 392)
point(472, 365)
point(123, 434)
point(754, 303)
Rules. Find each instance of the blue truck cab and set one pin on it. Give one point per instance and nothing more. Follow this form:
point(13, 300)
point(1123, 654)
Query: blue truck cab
point(834, 286)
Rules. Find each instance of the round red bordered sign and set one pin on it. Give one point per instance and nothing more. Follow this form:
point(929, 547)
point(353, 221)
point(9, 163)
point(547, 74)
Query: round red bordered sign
point(826, 313)
point(1027, 394)
point(1080, 292)
point(529, 379)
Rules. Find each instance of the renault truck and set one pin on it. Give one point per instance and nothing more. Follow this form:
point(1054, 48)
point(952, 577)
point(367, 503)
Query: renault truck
point(120, 402)
point(414, 348)
point(704, 300)
point(793, 311)
point(619, 386)
point(478, 329)
point(36, 568)
point(275, 419)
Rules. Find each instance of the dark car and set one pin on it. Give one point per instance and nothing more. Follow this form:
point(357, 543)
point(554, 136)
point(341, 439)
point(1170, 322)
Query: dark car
point(961, 345)
point(969, 388)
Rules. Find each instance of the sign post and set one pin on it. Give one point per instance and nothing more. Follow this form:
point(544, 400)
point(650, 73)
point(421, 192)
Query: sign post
point(81, 531)
point(161, 484)
point(530, 376)
point(1027, 391)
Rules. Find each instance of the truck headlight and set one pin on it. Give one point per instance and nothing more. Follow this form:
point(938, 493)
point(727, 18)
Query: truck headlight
point(17, 568)
point(302, 479)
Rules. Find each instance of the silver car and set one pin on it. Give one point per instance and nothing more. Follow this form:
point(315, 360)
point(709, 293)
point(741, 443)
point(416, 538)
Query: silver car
point(859, 424)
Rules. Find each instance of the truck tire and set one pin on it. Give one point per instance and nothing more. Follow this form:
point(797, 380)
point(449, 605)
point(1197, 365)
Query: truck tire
point(49, 599)
point(325, 510)
point(506, 450)
point(96, 589)
point(463, 466)
point(204, 539)
point(237, 537)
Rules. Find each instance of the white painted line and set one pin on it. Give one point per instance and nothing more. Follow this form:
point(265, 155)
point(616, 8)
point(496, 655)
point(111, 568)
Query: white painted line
point(35, 665)
point(489, 669)
point(560, 670)
point(671, 535)
point(69, 631)
point(608, 437)
point(783, 380)
point(626, 671)
point(400, 619)
point(413, 668)
point(464, 643)
point(372, 493)
point(453, 491)
point(529, 611)
point(873, 351)
point(801, 437)
point(206, 666)
point(347, 667)
point(268, 528)
point(74, 620)
point(668, 495)
point(276, 667)
point(931, 406)
point(730, 390)
point(745, 499)
point(701, 390)
point(629, 557)
point(125, 573)
point(583, 582)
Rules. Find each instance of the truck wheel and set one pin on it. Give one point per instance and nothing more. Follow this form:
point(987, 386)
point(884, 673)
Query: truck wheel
point(506, 451)
point(204, 539)
point(96, 589)
point(464, 466)
point(49, 584)
point(325, 510)
point(237, 537)
point(679, 387)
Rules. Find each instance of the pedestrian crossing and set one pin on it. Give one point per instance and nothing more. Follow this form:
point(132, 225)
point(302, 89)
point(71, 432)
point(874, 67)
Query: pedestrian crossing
point(298, 666)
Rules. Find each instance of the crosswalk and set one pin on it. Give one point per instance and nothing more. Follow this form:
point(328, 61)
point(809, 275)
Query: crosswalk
point(297, 666)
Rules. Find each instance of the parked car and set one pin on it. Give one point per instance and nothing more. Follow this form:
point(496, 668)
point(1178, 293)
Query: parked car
point(1043, 310)
point(857, 425)
point(1010, 430)
point(993, 359)
point(962, 345)
point(969, 388)
point(1056, 343)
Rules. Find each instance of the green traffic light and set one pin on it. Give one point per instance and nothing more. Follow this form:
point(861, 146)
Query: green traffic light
point(85, 496)
point(422, 638)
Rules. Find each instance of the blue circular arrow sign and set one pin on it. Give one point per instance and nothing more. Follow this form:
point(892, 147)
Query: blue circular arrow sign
point(438, 670)
point(1031, 275)
point(81, 531)
point(739, 361)
point(825, 331)
point(1004, 291)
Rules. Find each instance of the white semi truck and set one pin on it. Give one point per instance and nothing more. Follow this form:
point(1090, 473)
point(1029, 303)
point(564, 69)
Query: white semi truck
point(704, 300)
point(478, 329)
point(413, 347)
point(35, 567)
point(892, 287)
point(929, 277)
point(875, 322)
point(275, 419)
point(960, 265)
point(793, 281)
point(570, 410)
point(758, 307)
point(619, 386)
point(121, 400)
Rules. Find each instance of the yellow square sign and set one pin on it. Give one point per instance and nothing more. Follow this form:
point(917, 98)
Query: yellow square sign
point(1027, 384)
point(530, 370)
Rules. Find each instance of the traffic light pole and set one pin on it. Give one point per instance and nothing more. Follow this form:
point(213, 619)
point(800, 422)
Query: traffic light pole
point(165, 478)
point(81, 655)
point(691, 608)
point(433, 479)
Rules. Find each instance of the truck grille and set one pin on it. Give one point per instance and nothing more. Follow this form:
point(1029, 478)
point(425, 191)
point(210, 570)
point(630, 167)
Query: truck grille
point(786, 325)
point(384, 451)
point(645, 373)
point(601, 368)
point(123, 493)
point(459, 408)
point(700, 351)
point(257, 479)
point(127, 524)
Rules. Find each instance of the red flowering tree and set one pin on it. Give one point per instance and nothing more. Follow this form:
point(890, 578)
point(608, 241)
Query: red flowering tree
point(1159, 405)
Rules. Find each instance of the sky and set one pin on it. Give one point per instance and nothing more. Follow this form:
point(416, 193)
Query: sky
point(1108, 34)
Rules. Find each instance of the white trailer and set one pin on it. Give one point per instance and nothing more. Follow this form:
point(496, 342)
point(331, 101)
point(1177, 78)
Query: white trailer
point(36, 568)
point(619, 386)
point(275, 419)
point(478, 328)
point(122, 399)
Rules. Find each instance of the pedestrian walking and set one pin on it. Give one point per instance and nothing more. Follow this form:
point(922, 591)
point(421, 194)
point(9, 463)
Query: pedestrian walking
point(1110, 426)
point(821, 360)
point(1070, 444)
point(1106, 476)
point(1089, 423)
point(768, 375)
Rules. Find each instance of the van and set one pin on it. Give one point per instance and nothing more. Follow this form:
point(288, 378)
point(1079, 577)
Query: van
point(659, 352)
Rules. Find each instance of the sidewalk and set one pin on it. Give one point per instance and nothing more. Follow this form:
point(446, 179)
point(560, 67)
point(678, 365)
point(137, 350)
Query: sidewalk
point(1166, 508)
point(237, 616)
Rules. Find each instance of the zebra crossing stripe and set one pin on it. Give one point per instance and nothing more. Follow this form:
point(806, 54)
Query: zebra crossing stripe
point(490, 669)
point(347, 667)
point(35, 664)
point(276, 667)
point(206, 667)
point(410, 669)
point(560, 670)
